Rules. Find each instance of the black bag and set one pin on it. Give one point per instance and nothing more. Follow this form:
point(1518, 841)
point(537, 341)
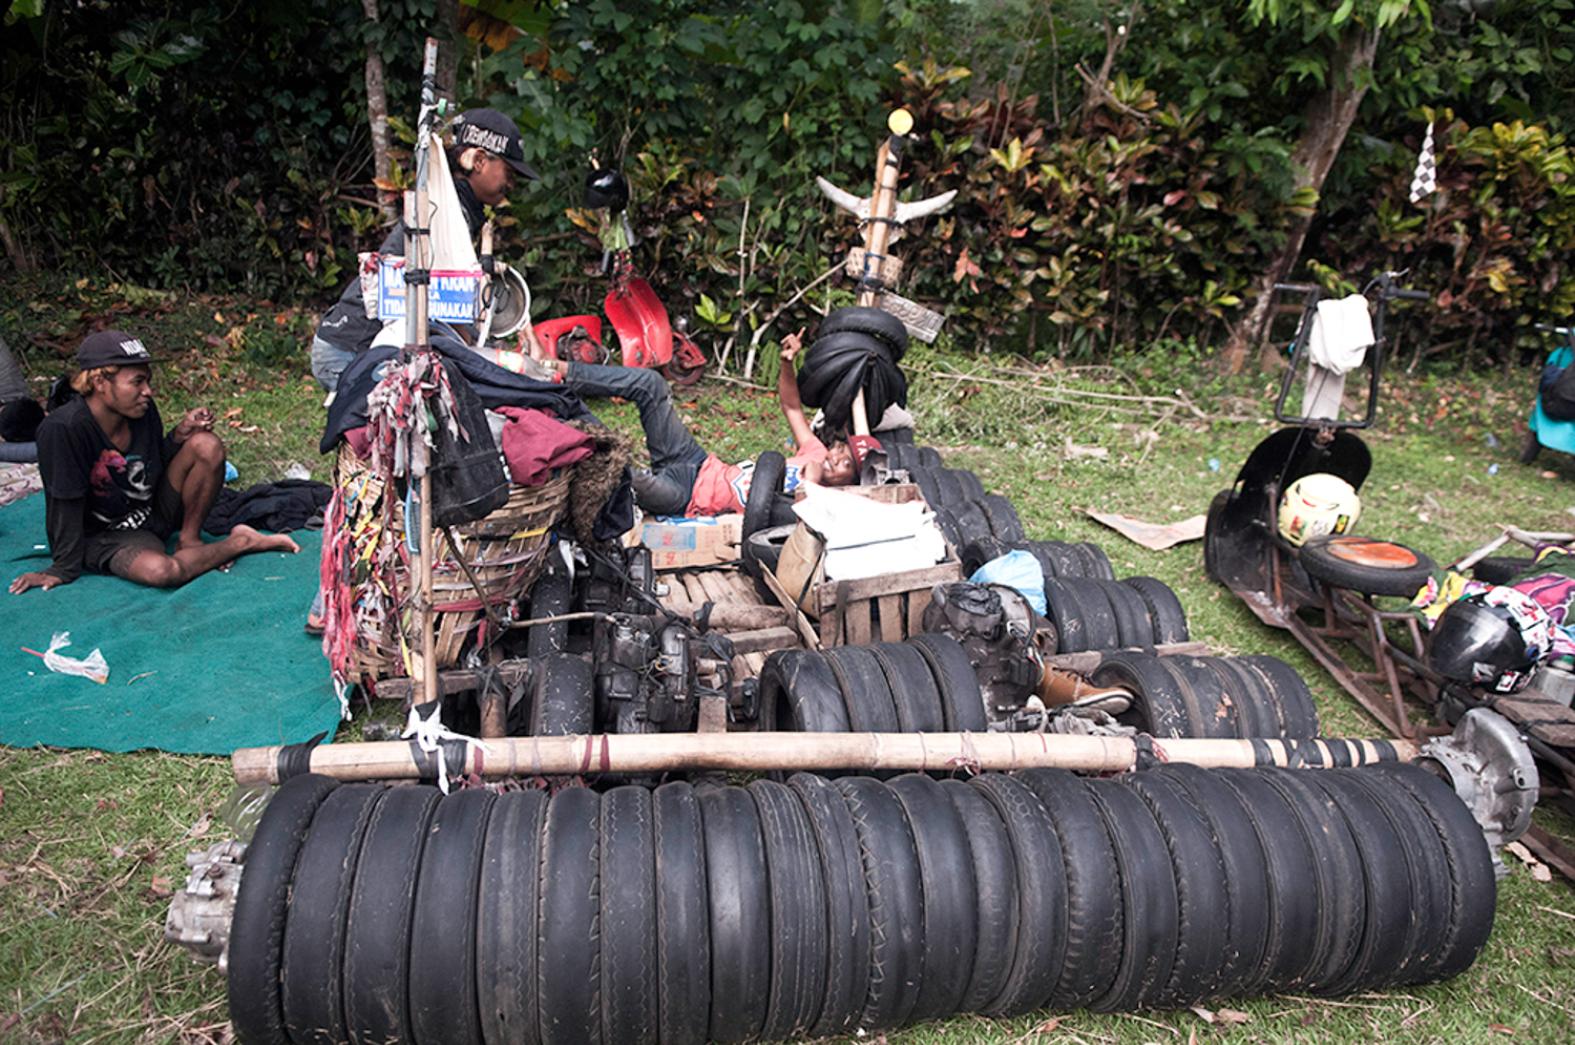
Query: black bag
point(468, 481)
point(1558, 392)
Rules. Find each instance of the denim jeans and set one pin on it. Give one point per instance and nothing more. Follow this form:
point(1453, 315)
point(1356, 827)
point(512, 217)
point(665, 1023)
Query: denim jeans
point(666, 488)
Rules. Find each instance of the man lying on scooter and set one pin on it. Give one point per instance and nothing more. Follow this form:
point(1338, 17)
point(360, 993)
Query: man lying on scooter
point(683, 478)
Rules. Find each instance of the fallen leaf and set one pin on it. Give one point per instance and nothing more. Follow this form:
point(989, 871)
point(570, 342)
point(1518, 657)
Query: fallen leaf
point(1203, 1014)
point(160, 888)
point(1500, 1028)
point(105, 804)
point(249, 429)
point(1549, 475)
point(234, 411)
point(118, 852)
point(1234, 1016)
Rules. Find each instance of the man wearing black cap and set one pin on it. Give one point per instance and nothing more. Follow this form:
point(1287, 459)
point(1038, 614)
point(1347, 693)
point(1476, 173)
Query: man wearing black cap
point(485, 157)
point(116, 487)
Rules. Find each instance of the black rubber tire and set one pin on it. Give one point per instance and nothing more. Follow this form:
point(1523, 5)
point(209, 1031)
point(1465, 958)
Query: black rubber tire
point(1164, 609)
point(895, 894)
point(1099, 617)
point(1041, 555)
point(929, 484)
point(972, 523)
point(740, 926)
point(506, 934)
point(1134, 629)
point(563, 696)
point(683, 941)
point(762, 550)
point(901, 455)
point(549, 597)
point(875, 322)
point(1041, 896)
point(311, 974)
point(377, 940)
point(1201, 719)
point(1219, 716)
point(1501, 569)
point(1292, 903)
point(257, 929)
point(995, 886)
point(1096, 564)
point(1158, 707)
point(970, 485)
point(1246, 876)
point(914, 691)
point(1094, 909)
point(798, 913)
point(569, 979)
point(1148, 896)
point(1429, 889)
point(1250, 703)
point(1323, 565)
point(951, 925)
point(1066, 563)
point(765, 483)
point(800, 694)
point(1214, 547)
point(946, 522)
point(1337, 877)
point(1385, 883)
point(975, 553)
point(1201, 893)
point(953, 492)
point(628, 916)
point(1290, 693)
point(930, 457)
point(962, 703)
point(1064, 610)
point(443, 1004)
point(1004, 522)
point(866, 695)
point(847, 910)
point(1473, 885)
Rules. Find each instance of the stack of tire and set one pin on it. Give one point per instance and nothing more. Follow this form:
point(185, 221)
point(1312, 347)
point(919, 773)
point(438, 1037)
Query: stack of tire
point(1219, 697)
point(815, 908)
point(1058, 560)
point(924, 684)
point(855, 350)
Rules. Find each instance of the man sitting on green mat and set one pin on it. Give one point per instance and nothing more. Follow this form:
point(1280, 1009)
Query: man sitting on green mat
point(116, 487)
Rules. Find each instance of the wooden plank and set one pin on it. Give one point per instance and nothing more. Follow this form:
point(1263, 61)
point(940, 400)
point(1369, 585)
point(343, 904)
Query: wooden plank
point(756, 662)
point(856, 620)
point(906, 580)
point(765, 639)
point(892, 625)
point(713, 715)
point(694, 588)
point(456, 680)
point(918, 602)
point(806, 631)
point(711, 584)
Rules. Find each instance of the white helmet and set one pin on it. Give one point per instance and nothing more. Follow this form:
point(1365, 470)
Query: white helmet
point(1318, 504)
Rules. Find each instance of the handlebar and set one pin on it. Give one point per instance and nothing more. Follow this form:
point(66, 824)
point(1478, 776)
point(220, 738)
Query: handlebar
point(1386, 288)
point(1550, 329)
point(1411, 295)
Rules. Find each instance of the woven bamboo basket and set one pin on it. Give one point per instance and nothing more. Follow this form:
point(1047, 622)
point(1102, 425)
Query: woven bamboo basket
point(505, 552)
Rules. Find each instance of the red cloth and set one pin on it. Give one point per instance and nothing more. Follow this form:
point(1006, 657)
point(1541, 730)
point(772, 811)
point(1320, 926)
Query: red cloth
point(535, 442)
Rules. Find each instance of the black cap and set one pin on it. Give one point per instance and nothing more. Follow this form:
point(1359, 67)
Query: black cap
point(491, 130)
point(111, 348)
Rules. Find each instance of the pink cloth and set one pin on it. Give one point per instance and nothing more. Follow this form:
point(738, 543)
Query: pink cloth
point(535, 442)
point(722, 488)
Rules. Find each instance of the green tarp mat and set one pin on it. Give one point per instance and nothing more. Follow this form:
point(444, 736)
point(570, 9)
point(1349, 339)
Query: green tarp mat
point(219, 664)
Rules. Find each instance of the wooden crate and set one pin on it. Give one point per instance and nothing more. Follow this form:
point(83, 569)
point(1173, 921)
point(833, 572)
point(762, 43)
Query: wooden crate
point(888, 608)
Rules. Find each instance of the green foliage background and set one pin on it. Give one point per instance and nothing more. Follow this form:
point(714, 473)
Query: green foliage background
point(217, 146)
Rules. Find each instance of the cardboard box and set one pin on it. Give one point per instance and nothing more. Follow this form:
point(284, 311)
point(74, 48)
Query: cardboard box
point(678, 543)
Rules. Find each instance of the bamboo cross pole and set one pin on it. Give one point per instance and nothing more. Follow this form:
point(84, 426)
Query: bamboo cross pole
point(659, 753)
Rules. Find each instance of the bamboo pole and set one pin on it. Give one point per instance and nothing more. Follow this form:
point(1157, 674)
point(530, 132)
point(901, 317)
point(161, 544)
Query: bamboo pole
point(418, 258)
point(877, 232)
point(757, 752)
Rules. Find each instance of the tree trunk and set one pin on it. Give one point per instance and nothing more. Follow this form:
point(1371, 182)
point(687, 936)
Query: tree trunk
point(20, 259)
point(1329, 115)
point(377, 116)
point(449, 39)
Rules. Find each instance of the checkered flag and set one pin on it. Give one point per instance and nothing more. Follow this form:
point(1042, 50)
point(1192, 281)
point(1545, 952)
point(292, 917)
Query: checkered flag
point(1425, 180)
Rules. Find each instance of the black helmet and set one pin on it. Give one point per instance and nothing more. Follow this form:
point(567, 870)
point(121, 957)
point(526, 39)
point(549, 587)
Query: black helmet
point(1492, 639)
point(606, 188)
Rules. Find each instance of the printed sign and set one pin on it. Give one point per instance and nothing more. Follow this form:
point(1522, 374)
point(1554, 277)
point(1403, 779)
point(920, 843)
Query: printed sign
point(453, 296)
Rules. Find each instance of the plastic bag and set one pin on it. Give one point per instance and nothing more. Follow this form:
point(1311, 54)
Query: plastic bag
point(1017, 570)
point(91, 666)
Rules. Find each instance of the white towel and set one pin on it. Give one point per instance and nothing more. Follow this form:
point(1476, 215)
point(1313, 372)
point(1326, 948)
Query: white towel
point(1342, 333)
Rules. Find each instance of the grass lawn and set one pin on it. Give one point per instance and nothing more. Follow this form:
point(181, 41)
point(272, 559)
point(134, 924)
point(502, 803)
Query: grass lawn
point(92, 844)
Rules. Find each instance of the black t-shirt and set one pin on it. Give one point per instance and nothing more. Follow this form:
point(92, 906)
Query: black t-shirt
point(77, 460)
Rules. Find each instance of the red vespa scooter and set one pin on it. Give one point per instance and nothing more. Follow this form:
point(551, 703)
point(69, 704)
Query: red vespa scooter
point(647, 336)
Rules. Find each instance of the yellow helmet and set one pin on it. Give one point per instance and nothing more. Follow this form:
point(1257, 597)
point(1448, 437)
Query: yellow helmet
point(1318, 504)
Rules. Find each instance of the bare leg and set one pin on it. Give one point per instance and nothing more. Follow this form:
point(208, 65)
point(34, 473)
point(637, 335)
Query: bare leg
point(157, 570)
point(196, 473)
